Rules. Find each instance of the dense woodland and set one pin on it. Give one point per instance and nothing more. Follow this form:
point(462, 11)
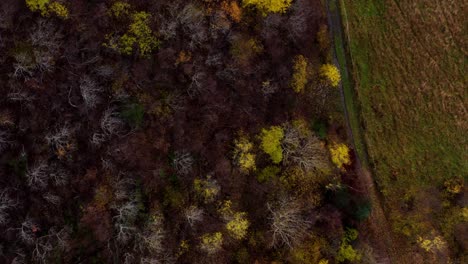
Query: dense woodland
point(201, 131)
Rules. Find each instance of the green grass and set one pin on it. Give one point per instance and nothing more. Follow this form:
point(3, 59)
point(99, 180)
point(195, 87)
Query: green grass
point(409, 68)
point(351, 108)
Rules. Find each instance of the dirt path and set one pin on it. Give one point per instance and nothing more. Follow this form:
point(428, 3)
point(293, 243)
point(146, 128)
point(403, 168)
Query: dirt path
point(378, 228)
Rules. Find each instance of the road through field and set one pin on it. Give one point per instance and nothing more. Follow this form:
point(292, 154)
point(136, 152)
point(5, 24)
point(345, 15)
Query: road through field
point(379, 230)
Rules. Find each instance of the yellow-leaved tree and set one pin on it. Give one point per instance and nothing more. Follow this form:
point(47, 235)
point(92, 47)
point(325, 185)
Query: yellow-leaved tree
point(271, 143)
point(237, 222)
point(340, 154)
point(299, 78)
point(330, 74)
point(211, 242)
point(139, 34)
point(268, 6)
point(243, 155)
point(47, 8)
point(237, 227)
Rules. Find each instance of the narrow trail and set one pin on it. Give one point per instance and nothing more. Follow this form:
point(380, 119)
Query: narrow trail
point(379, 236)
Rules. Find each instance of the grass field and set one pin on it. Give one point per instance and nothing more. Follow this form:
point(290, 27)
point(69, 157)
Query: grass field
point(409, 60)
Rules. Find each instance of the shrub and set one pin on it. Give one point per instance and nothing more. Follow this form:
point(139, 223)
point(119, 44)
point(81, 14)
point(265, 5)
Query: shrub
point(133, 113)
point(271, 143)
point(268, 173)
point(211, 243)
point(340, 155)
point(299, 78)
point(268, 6)
point(330, 74)
point(309, 252)
point(454, 185)
point(346, 252)
point(173, 198)
point(437, 243)
point(243, 49)
point(363, 210)
point(320, 128)
point(184, 56)
point(243, 155)
point(323, 38)
point(182, 162)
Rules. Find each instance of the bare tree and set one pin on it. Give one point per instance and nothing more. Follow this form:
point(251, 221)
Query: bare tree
point(193, 214)
point(20, 257)
point(60, 138)
point(291, 142)
point(46, 34)
point(4, 140)
point(197, 84)
point(312, 155)
point(26, 231)
point(287, 223)
point(169, 23)
point(111, 123)
point(6, 204)
point(105, 71)
point(54, 240)
point(305, 151)
point(90, 91)
point(46, 39)
point(298, 20)
point(18, 94)
point(52, 198)
point(183, 162)
point(193, 23)
point(98, 138)
point(123, 187)
point(58, 175)
point(124, 221)
point(152, 236)
point(38, 176)
point(24, 65)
